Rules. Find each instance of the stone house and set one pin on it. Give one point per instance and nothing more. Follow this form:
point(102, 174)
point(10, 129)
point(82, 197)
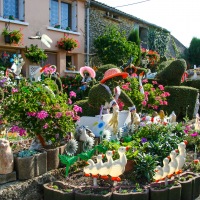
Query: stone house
point(100, 16)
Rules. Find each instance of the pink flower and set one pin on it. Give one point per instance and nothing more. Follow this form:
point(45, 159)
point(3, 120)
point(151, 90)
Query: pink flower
point(153, 89)
point(165, 103)
point(161, 102)
point(31, 114)
point(69, 113)
point(146, 93)
point(144, 103)
point(45, 126)
point(194, 134)
point(69, 101)
point(155, 107)
point(14, 90)
point(58, 115)
point(22, 132)
point(145, 81)
point(125, 87)
point(77, 108)
point(154, 82)
point(167, 94)
point(134, 75)
point(72, 94)
point(15, 129)
point(161, 87)
point(42, 114)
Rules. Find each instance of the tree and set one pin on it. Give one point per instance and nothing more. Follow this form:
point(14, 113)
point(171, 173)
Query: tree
point(112, 47)
point(194, 51)
point(134, 37)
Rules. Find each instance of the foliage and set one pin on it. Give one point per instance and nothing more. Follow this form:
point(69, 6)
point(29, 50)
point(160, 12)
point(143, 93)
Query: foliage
point(15, 35)
point(134, 37)
point(158, 40)
point(181, 106)
point(67, 43)
point(35, 54)
point(33, 109)
point(194, 51)
point(172, 74)
point(112, 47)
point(26, 153)
point(192, 83)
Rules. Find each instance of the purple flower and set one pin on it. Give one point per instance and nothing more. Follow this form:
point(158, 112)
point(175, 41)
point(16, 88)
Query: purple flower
point(194, 134)
point(2, 81)
point(22, 132)
point(42, 114)
point(15, 129)
point(58, 115)
point(72, 94)
point(143, 140)
point(31, 114)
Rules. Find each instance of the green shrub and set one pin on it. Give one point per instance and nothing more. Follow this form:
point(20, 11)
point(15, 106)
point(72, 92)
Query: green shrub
point(192, 83)
point(172, 74)
point(182, 100)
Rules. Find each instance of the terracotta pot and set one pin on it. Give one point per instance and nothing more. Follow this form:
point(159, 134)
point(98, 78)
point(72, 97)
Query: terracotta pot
point(51, 193)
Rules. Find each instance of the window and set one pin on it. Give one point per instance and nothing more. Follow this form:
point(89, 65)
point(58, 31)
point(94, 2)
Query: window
point(13, 9)
point(63, 15)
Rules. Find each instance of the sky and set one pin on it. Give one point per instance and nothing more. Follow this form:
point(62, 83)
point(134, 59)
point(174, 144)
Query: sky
point(180, 17)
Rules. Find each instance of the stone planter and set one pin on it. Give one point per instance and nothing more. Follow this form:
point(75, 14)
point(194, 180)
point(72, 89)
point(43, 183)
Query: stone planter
point(60, 192)
point(130, 194)
point(30, 167)
point(197, 185)
point(158, 194)
point(90, 193)
point(175, 192)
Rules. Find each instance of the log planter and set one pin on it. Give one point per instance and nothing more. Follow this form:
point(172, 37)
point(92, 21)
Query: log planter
point(58, 190)
point(93, 193)
point(188, 181)
point(130, 193)
point(30, 167)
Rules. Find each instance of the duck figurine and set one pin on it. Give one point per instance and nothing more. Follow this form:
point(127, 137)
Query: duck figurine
point(104, 169)
point(165, 169)
point(83, 135)
point(88, 169)
point(159, 173)
point(94, 170)
point(118, 166)
point(173, 163)
point(180, 158)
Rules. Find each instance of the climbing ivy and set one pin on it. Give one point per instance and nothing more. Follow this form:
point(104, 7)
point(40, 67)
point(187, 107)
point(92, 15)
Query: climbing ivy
point(158, 39)
point(177, 52)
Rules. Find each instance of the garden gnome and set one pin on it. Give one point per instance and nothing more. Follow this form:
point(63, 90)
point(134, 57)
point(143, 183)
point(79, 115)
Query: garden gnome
point(6, 157)
point(88, 74)
point(196, 108)
point(135, 118)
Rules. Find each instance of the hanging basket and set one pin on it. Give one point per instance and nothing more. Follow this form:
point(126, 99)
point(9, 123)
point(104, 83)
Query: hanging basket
point(7, 39)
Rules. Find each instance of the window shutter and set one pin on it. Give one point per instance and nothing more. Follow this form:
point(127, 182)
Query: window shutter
point(21, 10)
point(74, 16)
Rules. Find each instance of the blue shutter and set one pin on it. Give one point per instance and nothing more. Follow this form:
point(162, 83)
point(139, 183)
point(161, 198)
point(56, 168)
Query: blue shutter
point(64, 15)
point(21, 9)
point(54, 13)
point(11, 7)
point(74, 16)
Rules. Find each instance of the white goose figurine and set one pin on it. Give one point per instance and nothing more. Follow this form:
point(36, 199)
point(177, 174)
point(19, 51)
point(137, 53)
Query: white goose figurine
point(95, 171)
point(87, 170)
point(165, 169)
point(180, 158)
point(173, 164)
point(159, 173)
point(104, 169)
point(118, 166)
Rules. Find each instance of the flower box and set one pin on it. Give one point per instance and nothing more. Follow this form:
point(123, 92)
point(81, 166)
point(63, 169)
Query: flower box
point(58, 190)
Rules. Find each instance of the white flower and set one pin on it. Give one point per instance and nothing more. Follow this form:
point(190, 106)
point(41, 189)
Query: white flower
point(71, 147)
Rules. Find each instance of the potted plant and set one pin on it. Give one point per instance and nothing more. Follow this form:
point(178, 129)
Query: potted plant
point(58, 190)
point(35, 110)
point(67, 43)
point(14, 36)
point(35, 54)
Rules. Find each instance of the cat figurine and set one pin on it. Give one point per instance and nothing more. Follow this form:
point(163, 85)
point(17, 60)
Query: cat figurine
point(6, 157)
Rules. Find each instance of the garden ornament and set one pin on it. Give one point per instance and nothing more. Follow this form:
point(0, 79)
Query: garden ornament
point(118, 166)
point(158, 173)
point(196, 108)
point(82, 133)
point(105, 168)
point(88, 169)
point(6, 157)
point(197, 122)
point(141, 75)
point(87, 74)
point(172, 164)
point(180, 158)
point(46, 40)
point(172, 117)
point(150, 75)
point(135, 118)
point(166, 170)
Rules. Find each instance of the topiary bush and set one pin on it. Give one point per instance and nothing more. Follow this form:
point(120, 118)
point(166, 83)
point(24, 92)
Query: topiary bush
point(192, 83)
point(172, 74)
point(182, 101)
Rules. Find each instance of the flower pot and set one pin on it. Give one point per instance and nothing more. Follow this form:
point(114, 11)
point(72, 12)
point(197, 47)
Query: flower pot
point(158, 194)
point(175, 192)
point(7, 39)
point(40, 163)
point(52, 158)
point(129, 165)
point(25, 167)
point(90, 193)
point(51, 193)
point(196, 185)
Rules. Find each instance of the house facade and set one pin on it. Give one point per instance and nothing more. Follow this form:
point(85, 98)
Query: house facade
point(102, 16)
point(51, 17)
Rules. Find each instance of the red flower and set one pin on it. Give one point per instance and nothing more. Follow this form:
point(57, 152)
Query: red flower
point(196, 161)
